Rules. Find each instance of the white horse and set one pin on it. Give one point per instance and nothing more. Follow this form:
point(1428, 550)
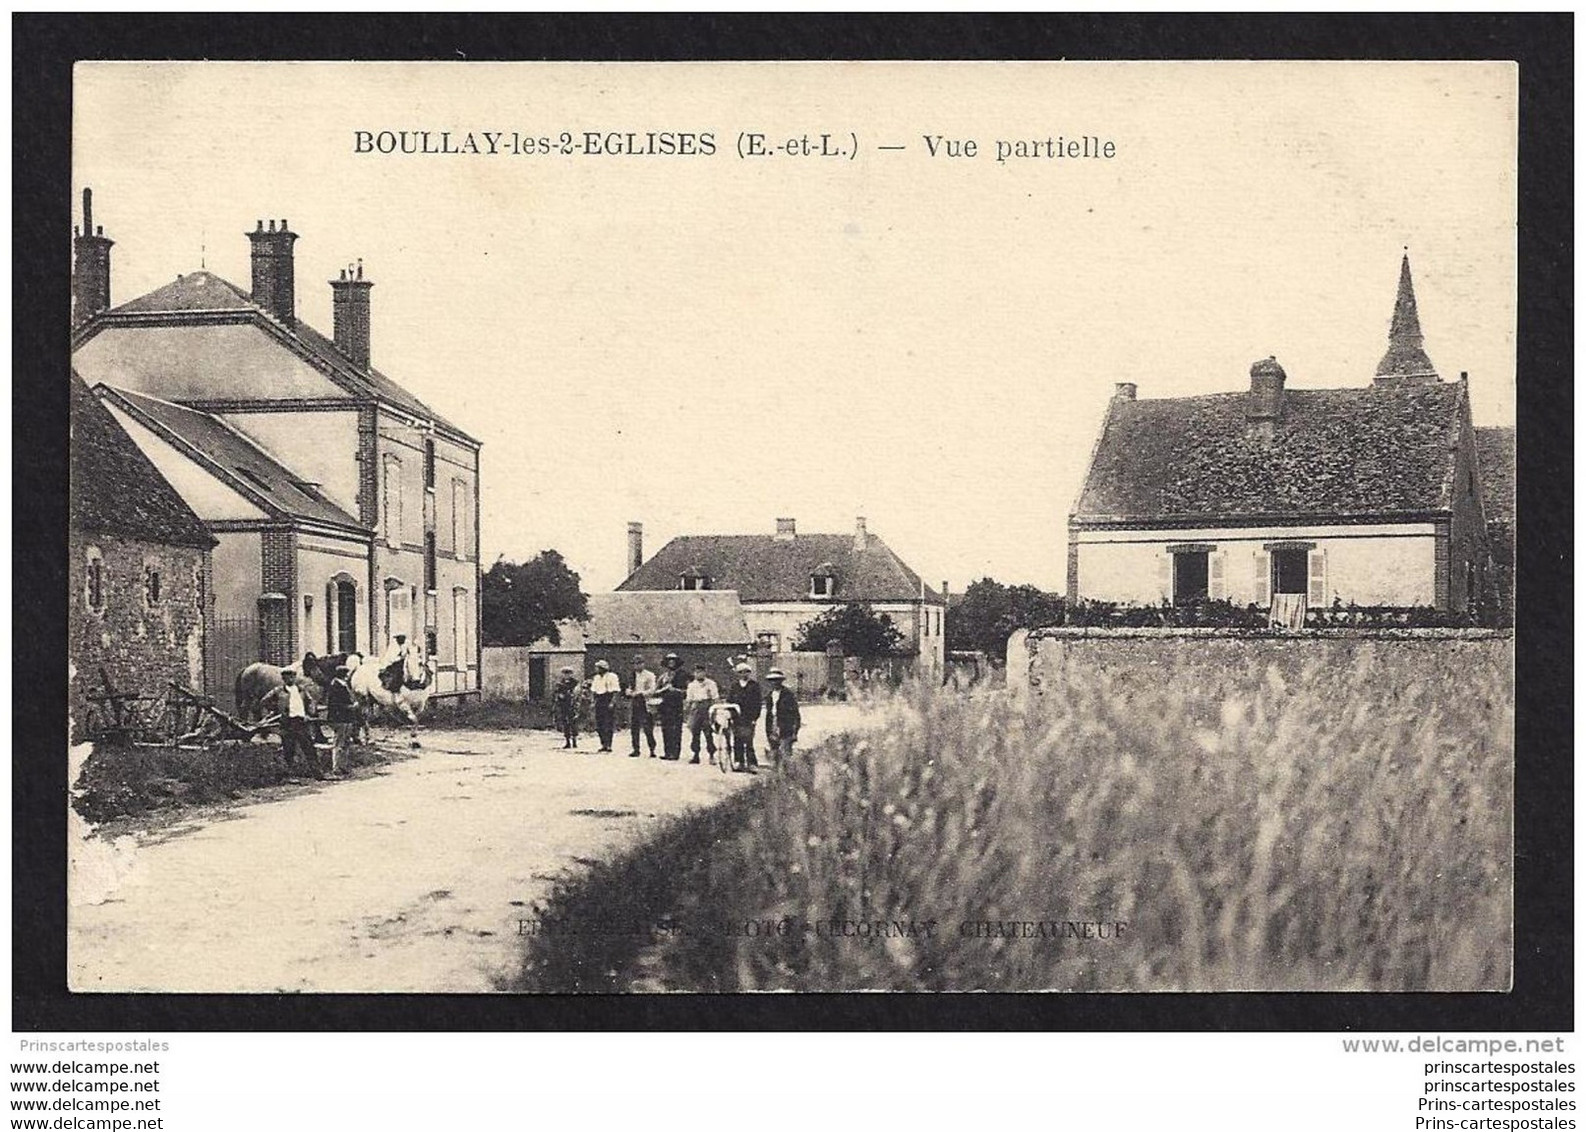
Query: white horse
point(407, 701)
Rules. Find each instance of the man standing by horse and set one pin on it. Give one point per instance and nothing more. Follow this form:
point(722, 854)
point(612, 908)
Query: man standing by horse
point(288, 702)
point(745, 693)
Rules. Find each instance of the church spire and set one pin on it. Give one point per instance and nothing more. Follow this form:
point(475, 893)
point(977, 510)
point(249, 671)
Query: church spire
point(1405, 359)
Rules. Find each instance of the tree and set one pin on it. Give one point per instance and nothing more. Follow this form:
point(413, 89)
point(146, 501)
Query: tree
point(861, 631)
point(522, 602)
point(989, 612)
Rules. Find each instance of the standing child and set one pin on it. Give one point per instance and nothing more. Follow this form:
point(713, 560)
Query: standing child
point(565, 702)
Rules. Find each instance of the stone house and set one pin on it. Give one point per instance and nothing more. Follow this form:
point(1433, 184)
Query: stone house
point(348, 509)
point(1369, 494)
point(138, 567)
point(786, 579)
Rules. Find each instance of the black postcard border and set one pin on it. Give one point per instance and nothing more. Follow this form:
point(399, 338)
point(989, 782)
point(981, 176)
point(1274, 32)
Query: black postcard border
point(44, 49)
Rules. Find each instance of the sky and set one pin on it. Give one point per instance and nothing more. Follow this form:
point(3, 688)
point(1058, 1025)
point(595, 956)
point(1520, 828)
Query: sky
point(705, 343)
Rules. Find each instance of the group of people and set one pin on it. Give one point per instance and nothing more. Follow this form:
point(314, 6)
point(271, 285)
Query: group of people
point(298, 722)
point(676, 698)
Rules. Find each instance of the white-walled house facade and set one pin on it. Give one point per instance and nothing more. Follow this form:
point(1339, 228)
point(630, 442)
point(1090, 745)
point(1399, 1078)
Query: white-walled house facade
point(1369, 495)
point(347, 511)
point(787, 579)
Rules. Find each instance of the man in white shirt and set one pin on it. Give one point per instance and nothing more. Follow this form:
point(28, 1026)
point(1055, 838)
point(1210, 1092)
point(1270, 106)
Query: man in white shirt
point(640, 691)
point(288, 702)
point(702, 692)
point(604, 687)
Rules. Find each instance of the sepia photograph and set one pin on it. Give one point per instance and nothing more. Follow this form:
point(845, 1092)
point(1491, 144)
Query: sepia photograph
point(699, 528)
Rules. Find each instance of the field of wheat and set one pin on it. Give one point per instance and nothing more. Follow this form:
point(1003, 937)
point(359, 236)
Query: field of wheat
point(1336, 821)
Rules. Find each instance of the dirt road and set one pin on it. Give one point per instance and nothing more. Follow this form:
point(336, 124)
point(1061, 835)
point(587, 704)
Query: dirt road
point(412, 880)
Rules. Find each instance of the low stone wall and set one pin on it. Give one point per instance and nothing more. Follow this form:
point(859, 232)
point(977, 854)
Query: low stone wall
point(1038, 659)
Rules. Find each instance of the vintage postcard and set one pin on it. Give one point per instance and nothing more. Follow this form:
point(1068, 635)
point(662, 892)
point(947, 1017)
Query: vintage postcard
point(655, 528)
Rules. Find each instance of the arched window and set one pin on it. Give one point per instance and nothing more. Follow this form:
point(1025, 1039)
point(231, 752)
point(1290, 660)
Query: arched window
point(94, 580)
point(342, 615)
point(398, 609)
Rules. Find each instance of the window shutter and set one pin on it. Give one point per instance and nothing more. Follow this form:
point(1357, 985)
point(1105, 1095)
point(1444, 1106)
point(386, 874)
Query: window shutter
point(332, 612)
point(1261, 579)
point(1217, 576)
point(1164, 575)
point(1317, 595)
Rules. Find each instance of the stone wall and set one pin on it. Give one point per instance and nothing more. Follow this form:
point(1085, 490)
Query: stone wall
point(136, 643)
point(1038, 660)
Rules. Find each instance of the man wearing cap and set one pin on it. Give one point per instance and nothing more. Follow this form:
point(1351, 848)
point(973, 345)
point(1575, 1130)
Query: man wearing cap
point(672, 687)
point(604, 687)
point(288, 702)
point(781, 718)
point(640, 691)
point(565, 701)
point(342, 712)
point(745, 695)
point(702, 693)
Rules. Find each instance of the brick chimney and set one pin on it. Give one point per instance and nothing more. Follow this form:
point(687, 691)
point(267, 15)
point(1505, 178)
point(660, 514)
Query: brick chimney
point(274, 283)
point(1264, 406)
point(350, 314)
point(786, 530)
point(635, 547)
point(90, 266)
point(1124, 391)
point(861, 536)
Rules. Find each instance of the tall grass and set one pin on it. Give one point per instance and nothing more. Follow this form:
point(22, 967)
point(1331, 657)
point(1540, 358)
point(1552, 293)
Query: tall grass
point(1337, 821)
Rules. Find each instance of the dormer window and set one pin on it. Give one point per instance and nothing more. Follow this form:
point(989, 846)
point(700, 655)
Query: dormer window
point(693, 578)
point(823, 580)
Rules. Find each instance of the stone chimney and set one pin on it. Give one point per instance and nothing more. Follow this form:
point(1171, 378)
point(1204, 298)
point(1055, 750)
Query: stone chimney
point(350, 314)
point(274, 282)
point(1264, 406)
point(861, 536)
point(1124, 391)
point(635, 547)
point(90, 266)
point(786, 530)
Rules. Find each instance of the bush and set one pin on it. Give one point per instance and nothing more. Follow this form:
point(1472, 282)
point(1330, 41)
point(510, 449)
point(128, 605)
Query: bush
point(1281, 826)
point(119, 781)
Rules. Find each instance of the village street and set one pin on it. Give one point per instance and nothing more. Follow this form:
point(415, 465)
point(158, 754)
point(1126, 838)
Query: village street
point(413, 879)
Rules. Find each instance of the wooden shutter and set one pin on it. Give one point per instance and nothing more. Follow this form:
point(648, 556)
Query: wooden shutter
point(1261, 579)
point(1164, 575)
point(1316, 596)
point(1217, 575)
point(332, 612)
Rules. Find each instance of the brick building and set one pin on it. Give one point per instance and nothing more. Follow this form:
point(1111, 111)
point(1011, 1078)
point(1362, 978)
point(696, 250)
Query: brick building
point(1370, 494)
point(348, 510)
point(139, 566)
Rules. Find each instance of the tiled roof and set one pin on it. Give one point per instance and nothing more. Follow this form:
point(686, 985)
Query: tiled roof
point(1387, 449)
point(766, 568)
point(670, 617)
point(1495, 457)
point(202, 291)
point(115, 489)
point(199, 291)
point(239, 460)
